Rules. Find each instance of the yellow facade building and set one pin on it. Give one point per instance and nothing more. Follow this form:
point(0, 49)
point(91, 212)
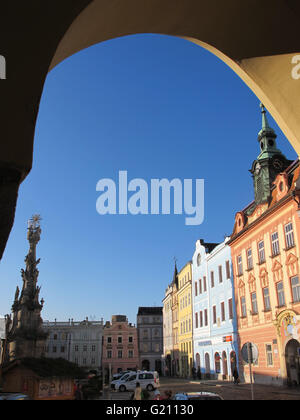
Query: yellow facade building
point(185, 320)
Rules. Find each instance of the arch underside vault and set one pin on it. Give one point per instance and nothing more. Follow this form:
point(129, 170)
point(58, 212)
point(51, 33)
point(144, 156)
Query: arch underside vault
point(258, 40)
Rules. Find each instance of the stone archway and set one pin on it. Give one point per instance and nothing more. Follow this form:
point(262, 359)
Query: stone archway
point(258, 40)
point(292, 358)
point(225, 365)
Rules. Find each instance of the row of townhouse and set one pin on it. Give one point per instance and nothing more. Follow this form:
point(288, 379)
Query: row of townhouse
point(112, 347)
point(204, 342)
point(246, 289)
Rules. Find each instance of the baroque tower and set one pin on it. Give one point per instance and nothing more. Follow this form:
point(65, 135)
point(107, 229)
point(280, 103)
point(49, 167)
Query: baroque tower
point(25, 334)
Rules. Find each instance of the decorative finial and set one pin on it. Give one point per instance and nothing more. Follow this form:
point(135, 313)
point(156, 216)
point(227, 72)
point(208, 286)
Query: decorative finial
point(34, 222)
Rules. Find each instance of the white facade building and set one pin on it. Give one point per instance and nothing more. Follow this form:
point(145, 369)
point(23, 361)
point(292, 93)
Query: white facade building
point(77, 342)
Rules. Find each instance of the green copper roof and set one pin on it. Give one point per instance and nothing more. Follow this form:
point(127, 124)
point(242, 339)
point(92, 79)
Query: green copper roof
point(267, 138)
point(266, 129)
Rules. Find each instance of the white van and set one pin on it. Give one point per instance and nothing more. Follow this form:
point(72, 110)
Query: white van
point(121, 379)
point(147, 380)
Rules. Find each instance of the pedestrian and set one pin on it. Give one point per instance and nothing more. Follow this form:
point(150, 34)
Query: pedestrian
point(194, 373)
point(78, 393)
point(168, 395)
point(157, 395)
point(236, 376)
point(138, 392)
point(199, 373)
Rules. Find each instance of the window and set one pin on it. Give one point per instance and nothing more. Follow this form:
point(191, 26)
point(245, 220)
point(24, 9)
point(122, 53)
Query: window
point(220, 274)
point(223, 311)
point(84, 361)
point(93, 348)
point(254, 303)
point(120, 340)
point(76, 348)
point(261, 252)
point(84, 348)
point(230, 308)
point(93, 361)
point(108, 340)
point(130, 339)
point(243, 307)
point(249, 259)
point(205, 317)
point(197, 320)
point(228, 269)
point(289, 235)
point(214, 314)
point(200, 286)
point(55, 337)
point(196, 289)
point(130, 354)
point(204, 284)
point(198, 259)
point(267, 303)
point(269, 354)
point(62, 349)
point(212, 278)
point(54, 349)
point(120, 354)
point(201, 319)
point(295, 288)
point(240, 265)
point(275, 244)
point(280, 294)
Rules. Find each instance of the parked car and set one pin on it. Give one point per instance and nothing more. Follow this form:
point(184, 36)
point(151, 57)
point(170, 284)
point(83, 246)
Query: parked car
point(147, 380)
point(123, 377)
point(119, 375)
point(193, 396)
point(14, 397)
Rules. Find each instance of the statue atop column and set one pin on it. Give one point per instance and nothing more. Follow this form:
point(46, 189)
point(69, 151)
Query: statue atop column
point(26, 337)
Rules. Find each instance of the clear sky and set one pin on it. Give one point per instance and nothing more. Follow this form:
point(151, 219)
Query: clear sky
point(158, 107)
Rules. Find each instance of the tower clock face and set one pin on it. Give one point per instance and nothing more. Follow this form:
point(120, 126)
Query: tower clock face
point(278, 164)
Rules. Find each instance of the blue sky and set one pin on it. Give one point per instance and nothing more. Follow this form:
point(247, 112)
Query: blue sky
point(158, 107)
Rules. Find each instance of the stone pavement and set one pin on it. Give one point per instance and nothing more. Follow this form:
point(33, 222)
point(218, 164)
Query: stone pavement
point(227, 390)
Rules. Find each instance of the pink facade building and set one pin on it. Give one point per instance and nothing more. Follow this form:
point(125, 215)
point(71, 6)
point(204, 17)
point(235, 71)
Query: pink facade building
point(120, 346)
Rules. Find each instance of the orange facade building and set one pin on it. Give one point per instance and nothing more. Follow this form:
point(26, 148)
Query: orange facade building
point(265, 256)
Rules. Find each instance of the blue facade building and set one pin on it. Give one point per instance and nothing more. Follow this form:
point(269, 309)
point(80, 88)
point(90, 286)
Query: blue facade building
point(215, 326)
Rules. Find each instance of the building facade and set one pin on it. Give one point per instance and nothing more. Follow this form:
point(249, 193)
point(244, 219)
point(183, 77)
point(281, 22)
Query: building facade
point(175, 325)
point(150, 337)
point(214, 328)
point(120, 346)
point(265, 255)
point(77, 342)
point(168, 331)
point(185, 321)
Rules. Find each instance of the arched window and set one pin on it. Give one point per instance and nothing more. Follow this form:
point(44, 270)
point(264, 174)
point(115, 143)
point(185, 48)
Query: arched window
point(198, 259)
point(217, 363)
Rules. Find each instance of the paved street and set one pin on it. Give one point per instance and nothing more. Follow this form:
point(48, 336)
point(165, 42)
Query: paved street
point(226, 389)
